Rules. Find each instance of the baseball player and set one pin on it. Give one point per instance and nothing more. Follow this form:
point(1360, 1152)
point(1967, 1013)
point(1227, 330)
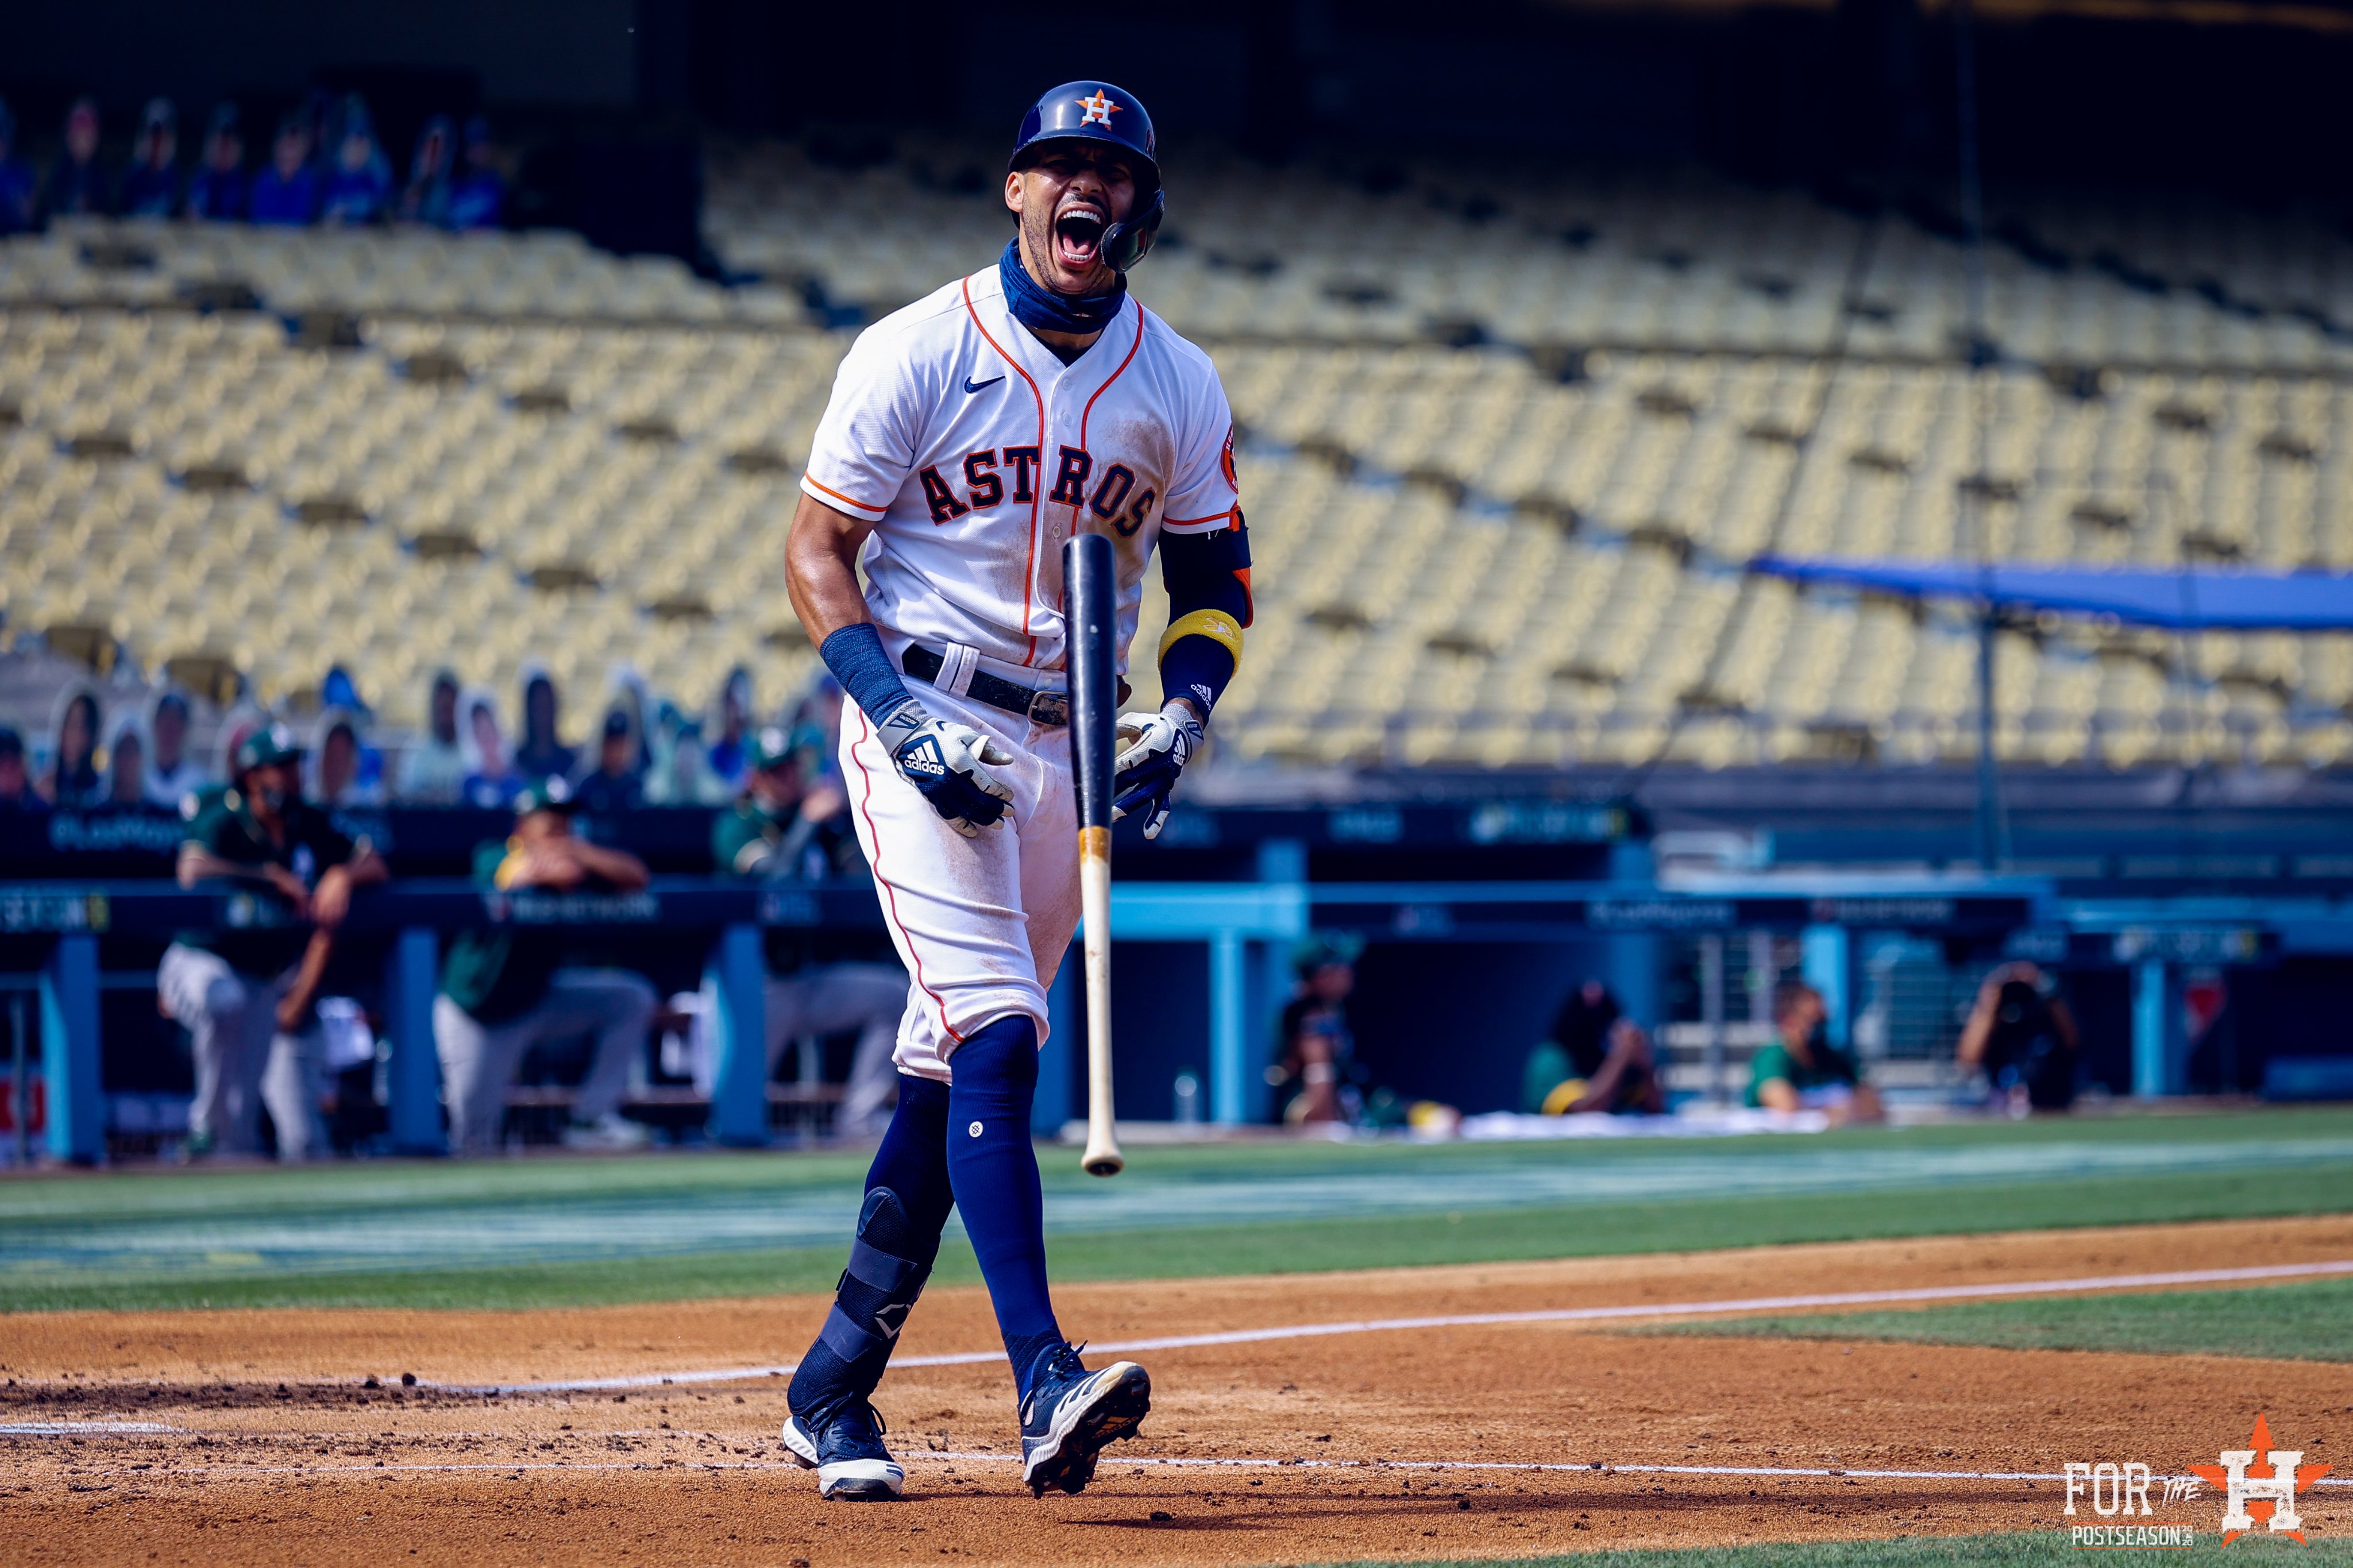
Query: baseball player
point(507, 989)
point(967, 437)
point(246, 995)
point(782, 829)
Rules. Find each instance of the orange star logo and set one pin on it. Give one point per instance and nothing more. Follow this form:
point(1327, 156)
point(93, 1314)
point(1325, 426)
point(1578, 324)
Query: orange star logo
point(2260, 1482)
point(1099, 107)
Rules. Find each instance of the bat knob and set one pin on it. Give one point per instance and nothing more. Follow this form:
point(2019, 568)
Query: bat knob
point(1104, 1164)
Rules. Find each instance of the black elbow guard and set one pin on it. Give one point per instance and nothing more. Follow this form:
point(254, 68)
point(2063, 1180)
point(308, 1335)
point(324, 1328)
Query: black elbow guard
point(1207, 572)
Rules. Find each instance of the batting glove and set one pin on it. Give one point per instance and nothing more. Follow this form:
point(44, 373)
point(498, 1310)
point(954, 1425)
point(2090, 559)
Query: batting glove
point(949, 763)
point(1154, 749)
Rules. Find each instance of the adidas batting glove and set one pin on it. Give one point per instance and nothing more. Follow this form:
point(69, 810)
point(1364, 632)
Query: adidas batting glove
point(949, 762)
point(1154, 749)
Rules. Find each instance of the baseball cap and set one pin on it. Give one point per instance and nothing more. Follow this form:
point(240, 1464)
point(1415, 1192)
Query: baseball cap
point(273, 742)
point(547, 794)
point(617, 724)
point(772, 748)
point(1326, 947)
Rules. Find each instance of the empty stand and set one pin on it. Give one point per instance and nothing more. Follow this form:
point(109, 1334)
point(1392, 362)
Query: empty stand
point(1506, 455)
point(198, 485)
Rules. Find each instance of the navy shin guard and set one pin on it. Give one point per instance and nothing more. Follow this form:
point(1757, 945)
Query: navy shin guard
point(994, 1169)
point(907, 1203)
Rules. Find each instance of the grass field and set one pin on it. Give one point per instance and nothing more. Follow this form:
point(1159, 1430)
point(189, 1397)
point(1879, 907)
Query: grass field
point(576, 1232)
point(2303, 1321)
point(1688, 1224)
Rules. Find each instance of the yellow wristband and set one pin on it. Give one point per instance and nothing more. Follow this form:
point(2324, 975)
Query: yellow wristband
point(1215, 624)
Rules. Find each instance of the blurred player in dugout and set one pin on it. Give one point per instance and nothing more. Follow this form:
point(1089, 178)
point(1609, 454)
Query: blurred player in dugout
point(1317, 1078)
point(1800, 1069)
point(507, 989)
point(247, 995)
point(784, 828)
point(1595, 1059)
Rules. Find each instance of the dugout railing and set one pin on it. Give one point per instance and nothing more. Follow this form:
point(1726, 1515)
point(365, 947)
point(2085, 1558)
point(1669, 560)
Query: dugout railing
point(51, 931)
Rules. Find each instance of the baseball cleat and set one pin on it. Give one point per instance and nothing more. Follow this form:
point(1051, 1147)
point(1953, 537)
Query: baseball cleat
point(848, 1455)
point(1072, 1415)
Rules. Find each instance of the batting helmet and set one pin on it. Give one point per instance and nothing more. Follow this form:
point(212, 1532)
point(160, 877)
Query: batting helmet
point(1098, 111)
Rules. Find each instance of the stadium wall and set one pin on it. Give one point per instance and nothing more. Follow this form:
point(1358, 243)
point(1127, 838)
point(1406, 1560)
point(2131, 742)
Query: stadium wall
point(576, 54)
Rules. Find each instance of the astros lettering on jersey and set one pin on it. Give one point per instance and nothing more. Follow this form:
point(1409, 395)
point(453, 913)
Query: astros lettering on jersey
point(977, 453)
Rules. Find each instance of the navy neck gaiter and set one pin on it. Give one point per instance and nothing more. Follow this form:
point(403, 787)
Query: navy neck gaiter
point(1041, 309)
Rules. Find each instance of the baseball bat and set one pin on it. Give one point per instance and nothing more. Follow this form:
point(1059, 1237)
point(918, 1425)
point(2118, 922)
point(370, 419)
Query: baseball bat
point(1088, 598)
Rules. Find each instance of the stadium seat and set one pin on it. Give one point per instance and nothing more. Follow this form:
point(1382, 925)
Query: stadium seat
point(1503, 492)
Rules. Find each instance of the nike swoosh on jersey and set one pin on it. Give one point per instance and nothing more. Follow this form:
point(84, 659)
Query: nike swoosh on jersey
point(970, 387)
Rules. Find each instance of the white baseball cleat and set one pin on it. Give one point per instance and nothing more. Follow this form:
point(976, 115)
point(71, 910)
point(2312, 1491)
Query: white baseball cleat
point(848, 1455)
point(1072, 1415)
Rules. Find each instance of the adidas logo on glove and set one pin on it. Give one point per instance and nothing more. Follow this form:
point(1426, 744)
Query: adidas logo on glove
point(923, 757)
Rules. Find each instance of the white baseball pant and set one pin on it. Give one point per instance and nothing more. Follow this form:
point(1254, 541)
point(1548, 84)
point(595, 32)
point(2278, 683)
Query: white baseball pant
point(243, 1061)
point(827, 998)
point(478, 1060)
point(981, 923)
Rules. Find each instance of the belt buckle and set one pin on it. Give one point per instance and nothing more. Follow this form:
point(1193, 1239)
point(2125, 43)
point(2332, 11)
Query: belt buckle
point(1049, 708)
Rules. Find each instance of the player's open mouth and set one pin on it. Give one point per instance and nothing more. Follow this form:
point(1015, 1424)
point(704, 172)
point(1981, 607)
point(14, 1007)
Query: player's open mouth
point(1078, 236)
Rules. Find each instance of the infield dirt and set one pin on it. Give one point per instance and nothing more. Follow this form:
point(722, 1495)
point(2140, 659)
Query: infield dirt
point(268, 1447)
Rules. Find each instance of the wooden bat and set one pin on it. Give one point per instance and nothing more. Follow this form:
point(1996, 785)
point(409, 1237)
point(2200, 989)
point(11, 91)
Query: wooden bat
point(1088, 595)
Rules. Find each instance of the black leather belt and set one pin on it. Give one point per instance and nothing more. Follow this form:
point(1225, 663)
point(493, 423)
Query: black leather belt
point(1038, 707)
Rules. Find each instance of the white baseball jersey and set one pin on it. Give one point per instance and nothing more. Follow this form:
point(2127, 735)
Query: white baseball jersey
point(976, 452)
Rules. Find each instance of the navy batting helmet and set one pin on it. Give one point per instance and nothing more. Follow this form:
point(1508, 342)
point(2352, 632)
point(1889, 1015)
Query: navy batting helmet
point(1098, 111)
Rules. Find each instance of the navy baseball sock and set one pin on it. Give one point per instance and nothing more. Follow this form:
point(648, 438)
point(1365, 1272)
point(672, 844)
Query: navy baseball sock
point(995, 1171)
point(906, 1204)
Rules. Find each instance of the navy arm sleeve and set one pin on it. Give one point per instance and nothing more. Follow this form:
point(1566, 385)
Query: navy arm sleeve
point(1208, 579)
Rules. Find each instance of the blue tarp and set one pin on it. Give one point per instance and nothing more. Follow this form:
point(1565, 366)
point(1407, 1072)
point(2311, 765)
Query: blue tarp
point(2206, 599)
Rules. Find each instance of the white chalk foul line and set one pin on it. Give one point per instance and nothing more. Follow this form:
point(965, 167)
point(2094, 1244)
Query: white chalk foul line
point(1375, 1466)
point(1476, 1320)
point(79, 1428)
